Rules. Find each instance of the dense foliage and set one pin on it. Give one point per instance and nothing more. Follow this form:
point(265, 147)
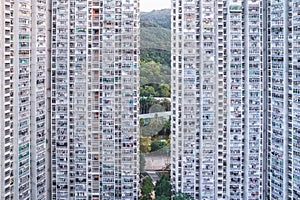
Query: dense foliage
point(151, 105)
point(154, 80)
point(147, 188)
point(155, 73)
point(145, 143)
point(153, 127)
point(152, 73)
point(155, 90)
point(156, 36)
point(157, 144)
point(163, 187)
point(157, 55)
point(162, 198)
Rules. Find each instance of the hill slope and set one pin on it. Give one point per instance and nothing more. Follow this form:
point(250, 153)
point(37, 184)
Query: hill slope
point(156, 36)
point(161, 18)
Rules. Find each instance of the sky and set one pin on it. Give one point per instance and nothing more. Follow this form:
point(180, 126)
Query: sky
point(149, 5)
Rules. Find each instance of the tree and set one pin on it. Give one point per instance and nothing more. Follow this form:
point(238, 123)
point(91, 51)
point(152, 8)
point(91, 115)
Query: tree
point(142, 122)
point(157, 55)
point(164, 90)
point(153, 126)
point(166, 104)
point(162, 198)
point(157, 144)
point(147, 188)
point(147, 91)
point(145, 144)
point(145, 104)
point(151, 71)
point(163, 187)
point(150, 104)
point(154, 74)
point(166, 130)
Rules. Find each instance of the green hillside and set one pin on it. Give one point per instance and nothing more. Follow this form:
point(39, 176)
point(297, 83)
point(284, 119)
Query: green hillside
point(156, 36)
point(162, 18)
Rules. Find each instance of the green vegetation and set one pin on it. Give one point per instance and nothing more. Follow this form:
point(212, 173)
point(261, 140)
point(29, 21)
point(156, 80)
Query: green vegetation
point(163, 188)
point(152, 144)
point(147, 91)
point(157, 55)
point(158, 144)
point(156, 36)
point(151, 105)
point(162, 198)
point(166, 130)
point(155, 127)
point(155, 76)
point(154, 81)
point(160, 18)
point(145, 144)
point(155, 90)
point(147, 188)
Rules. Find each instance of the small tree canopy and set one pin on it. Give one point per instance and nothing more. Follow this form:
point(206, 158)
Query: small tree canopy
point(163, 187)
point(162, 198)
point(147, 188)
point(164, 90)
point(145, 144)
point(147, 91)
point(157, 144)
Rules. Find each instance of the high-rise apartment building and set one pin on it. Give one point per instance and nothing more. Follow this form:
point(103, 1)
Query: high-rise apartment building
point(278, 92)
point(294, 116)
point(23, 58)
point(244, 99)
point(197, 94)
point(284, 97)
point(217, 99)
point(6, 105)
point(94, 99)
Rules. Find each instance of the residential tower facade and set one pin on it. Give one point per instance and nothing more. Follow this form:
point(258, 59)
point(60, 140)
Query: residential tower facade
point(283, 85)
point(217, 99)
point(24, 63)
point(244, 99)
point(94, 99)
point(197, 99)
